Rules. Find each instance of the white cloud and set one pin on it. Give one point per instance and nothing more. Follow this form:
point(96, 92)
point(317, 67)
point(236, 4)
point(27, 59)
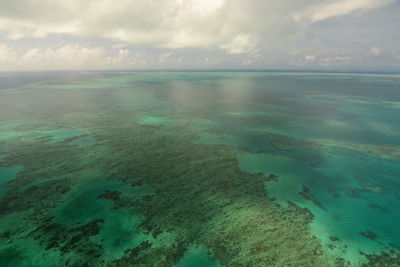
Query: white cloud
point(118, 46)
point(7, 54)
point(310, 57)
point(77, 56)
point(247, 62)
point(329, 9)
point(106, 33)
point(61, 57)
point(32, 55)
point(236, 26)
point(323, 59)
point(70, 54)
point(375, 51)
point(15, 35)
point(164, 56)
point(334, 60)
point(26, 33)
point(241, 43)
point(123, 52)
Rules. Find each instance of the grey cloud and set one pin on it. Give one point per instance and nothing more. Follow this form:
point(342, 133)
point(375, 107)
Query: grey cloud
point(254, 33)
point(168, 23)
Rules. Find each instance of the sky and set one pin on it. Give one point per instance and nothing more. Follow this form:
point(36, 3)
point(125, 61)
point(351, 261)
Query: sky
point(200, 34)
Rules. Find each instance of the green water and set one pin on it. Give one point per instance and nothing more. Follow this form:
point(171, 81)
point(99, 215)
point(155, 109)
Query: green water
point(200, 169)
point(119, 231)
point(197, 257)
point(6, 175)
point(62, 135)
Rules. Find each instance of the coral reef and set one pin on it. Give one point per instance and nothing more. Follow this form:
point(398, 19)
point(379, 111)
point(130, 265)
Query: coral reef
point(369, 234)
point(306, 194)
point(200, 197)
point(107, 174)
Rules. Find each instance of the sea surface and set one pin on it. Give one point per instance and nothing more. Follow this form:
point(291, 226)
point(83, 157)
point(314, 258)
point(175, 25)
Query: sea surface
point(199, 169)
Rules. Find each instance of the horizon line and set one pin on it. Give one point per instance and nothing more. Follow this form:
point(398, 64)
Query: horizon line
point(357, 71)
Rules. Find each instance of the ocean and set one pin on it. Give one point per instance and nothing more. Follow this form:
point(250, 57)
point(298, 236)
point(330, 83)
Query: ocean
point(199, 169)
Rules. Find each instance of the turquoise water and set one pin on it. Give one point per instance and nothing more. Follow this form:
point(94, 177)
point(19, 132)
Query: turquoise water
point(119, 231)
point(197, 257)
point(331, 142)
point(349, 124)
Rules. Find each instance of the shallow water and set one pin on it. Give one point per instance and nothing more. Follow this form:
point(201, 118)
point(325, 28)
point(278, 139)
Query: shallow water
point(111, 168)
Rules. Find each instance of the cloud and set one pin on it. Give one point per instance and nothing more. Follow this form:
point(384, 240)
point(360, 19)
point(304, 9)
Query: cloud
point(247, 62)
point(77, 56)
point(61, 57)
point(7, 54)
point(375, 51)
point(331, 9)
point(71, 54)
point(324, 59)
point(25, 33)
point(241, 43)
point(310, 57)
point(179, 33)
point(164, 56)
point(235, 26)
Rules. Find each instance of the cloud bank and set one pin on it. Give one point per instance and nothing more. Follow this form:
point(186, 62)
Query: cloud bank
point(234, 27)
